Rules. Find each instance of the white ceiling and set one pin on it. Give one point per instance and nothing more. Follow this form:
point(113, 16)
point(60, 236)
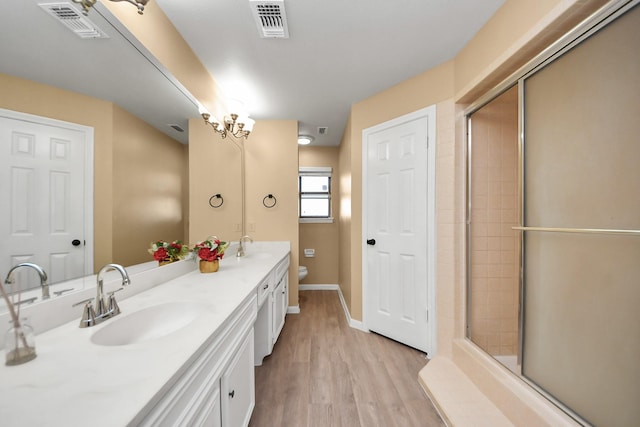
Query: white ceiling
point(339, 52)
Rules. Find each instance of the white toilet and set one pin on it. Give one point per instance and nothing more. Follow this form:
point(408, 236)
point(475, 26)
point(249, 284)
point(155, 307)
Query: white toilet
point(302, 272)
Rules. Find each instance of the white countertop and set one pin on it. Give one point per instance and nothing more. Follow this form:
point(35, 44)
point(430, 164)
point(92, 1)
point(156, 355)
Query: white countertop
point(75, 382)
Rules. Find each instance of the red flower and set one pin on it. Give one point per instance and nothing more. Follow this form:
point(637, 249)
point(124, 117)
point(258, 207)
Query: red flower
point(210, 250)
point(161, 254)
point(165, 251)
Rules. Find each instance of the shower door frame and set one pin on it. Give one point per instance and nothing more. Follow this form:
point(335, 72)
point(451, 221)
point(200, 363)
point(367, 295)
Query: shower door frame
point(594, 23)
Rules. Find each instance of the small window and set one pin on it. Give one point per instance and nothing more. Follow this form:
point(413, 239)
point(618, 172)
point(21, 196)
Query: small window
point(314, 185)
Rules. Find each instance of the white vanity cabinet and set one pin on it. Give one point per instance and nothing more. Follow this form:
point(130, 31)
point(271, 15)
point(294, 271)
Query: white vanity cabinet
point(280, 301)
point(273, 300)
point(263, 335)
point(218, 387)
point(194, 367)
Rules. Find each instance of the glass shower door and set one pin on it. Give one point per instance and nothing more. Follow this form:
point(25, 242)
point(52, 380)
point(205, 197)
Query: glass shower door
point(581, 216)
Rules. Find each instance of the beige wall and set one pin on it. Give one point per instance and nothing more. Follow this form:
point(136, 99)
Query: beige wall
point(428, 88)
point(150, 172)
point(271, 168)
point(324, 238)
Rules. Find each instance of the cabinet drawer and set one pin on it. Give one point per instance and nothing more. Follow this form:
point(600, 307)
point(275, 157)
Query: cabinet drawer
point(281, 269)
point(264, 288)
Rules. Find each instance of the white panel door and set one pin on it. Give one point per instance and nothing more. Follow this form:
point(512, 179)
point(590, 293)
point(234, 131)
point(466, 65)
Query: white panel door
point(396, 218)
point(42, 187)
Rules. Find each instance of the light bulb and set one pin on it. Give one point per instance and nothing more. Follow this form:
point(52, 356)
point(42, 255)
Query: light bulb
point(248, 124)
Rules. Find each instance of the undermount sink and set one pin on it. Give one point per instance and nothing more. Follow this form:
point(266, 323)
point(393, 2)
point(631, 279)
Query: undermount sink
point(147, 324)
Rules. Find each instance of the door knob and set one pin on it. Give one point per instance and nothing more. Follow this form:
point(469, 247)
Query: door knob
point(371, 242)
point(75, 242)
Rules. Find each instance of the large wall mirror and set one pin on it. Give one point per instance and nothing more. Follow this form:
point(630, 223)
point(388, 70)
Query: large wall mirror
point(554, 228)
point(113, 86)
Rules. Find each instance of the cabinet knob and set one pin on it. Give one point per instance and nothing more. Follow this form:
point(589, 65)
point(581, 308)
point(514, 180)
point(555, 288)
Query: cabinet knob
point(232, 393)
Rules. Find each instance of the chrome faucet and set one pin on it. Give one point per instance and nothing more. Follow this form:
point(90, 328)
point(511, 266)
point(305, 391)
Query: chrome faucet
point(240, 252)
point(102, 311)
point(38, 269)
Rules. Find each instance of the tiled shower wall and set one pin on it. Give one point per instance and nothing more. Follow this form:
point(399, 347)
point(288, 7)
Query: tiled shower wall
point(495, 248)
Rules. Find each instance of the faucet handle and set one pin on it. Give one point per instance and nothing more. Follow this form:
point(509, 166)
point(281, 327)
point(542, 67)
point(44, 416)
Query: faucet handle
point(88, 314)
point(113, 308)
point(100, 308)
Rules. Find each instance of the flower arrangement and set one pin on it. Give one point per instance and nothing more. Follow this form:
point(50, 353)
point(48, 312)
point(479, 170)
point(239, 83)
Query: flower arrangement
point(211, 249)
point(168, 252)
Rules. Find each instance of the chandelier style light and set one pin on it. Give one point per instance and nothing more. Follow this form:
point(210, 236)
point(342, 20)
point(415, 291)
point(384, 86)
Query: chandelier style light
point(234, 125)
point(87, 4)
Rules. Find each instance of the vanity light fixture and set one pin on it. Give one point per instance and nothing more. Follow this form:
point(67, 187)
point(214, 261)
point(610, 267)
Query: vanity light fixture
point(234, 125)
point(305, 139)
point(87, 4)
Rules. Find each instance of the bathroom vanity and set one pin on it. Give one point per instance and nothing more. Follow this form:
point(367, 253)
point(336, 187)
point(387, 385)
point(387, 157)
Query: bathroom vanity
point(273, 297)
point(181, 353)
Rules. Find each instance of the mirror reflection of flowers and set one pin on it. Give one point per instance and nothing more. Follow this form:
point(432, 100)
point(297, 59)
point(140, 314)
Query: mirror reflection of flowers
point(211, 249)
point(165, 251)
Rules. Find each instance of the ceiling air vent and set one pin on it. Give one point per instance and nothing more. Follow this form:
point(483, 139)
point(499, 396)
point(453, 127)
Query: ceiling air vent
point(270, 18)
point(73, 20)
point(322, 130)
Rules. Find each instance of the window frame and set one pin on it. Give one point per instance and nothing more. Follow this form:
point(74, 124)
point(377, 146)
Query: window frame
point(315, 172)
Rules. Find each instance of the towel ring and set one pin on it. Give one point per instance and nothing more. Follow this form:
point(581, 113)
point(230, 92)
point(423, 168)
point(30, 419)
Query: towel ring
point(269, 196)
point(216, 196)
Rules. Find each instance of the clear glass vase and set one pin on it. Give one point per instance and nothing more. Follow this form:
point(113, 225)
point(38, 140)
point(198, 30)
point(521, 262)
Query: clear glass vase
point(19, 343)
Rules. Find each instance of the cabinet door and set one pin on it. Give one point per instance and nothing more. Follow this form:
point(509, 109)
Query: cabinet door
point(280, 301)
point(238, 388)
point(263, 331)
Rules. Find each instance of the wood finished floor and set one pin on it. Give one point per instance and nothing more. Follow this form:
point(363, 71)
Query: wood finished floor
point(324, 373)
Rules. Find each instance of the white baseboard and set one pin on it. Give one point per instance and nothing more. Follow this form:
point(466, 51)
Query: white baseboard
point(293, 309)
point(355, 324)
point(318, 287)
